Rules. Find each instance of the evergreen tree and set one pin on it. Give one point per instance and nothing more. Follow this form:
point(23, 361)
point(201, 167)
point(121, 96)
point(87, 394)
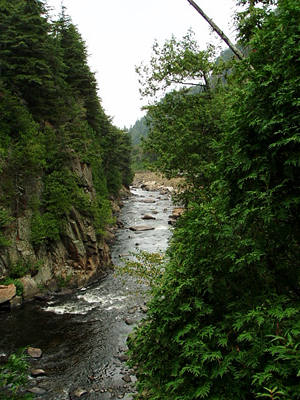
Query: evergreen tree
point(30, 63)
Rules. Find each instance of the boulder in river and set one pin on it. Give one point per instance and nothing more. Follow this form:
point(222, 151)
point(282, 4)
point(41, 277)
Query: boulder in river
point(141, 228)
point(37, 372)
point(129, 321)
point(79, 392)
point(16, 302)
point(148, 216)
point(126, 378)
point(7, 292)
point(37, 390)
point(148, 201)
point(34, 352)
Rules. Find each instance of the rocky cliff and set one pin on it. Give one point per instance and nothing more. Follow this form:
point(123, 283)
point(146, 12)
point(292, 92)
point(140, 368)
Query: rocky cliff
point(79, 257)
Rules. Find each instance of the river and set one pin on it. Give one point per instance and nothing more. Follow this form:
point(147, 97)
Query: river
point(83, 335)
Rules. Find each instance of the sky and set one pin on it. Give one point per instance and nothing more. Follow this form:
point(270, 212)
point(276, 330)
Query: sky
point(119, 35)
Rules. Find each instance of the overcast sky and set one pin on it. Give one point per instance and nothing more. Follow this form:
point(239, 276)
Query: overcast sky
point(119, 34)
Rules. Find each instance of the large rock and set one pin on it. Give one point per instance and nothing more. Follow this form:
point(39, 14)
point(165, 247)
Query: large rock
point(141, 228)
point(30, 287)
point(149, 201)
point(7, 292)
point(147, 216)
point(177, 212)
point(16, 302)
point(34, 352)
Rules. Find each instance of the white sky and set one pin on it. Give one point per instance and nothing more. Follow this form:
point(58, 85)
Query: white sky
point(119, 34)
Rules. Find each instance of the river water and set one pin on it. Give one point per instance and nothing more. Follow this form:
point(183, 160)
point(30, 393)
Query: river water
point(83, 335)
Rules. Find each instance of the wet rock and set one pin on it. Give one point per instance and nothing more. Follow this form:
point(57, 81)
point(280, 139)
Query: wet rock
point(132, 310)
point(37, 390)
point(129, 321)
point(37, 372)
point(177, 212)
point(147, 216)
point(30, 287)
point(65, 292)
point(16, 302)
point(43, 298)
point(127, 378)
point(3, 358)
point(52, 285)
point(34, 352)
point(7, 292)
point(80, 392)
point(128, 396)
point(148, 201)
point(144, 309)
point(123, 357)
point(141, 228)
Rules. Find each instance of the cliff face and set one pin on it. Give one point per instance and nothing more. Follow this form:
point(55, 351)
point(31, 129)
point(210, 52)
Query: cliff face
point(79, 257)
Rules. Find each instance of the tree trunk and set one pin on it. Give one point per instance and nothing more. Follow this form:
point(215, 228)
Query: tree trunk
point(215, 27)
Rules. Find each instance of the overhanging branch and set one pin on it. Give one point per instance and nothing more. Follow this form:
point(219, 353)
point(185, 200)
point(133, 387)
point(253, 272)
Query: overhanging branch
point(215, 27)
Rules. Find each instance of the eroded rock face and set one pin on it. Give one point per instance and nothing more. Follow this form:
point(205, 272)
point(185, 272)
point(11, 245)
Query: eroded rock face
point(30, 287)
point(7, 292)
point(78, 258)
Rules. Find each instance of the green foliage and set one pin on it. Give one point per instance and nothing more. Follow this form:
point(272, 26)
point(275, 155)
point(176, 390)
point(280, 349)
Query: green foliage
point(224, 320)
point(14, 374)
point(52, 120)
point(64, 281)
point(24, 267)
point(146, 268)
point(176, 62)
point(5, 220)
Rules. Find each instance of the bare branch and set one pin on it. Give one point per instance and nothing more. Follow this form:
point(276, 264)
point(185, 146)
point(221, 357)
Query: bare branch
point(215, 27)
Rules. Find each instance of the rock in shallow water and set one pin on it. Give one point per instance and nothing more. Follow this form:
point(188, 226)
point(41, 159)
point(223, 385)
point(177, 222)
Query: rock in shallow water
point(141, 228)
point(80, 392)
point(129, 321)
point(37, 372)
point(123, 357)
point(126, 378)
point(37, 390)
point(34, 352)
point(148, 216)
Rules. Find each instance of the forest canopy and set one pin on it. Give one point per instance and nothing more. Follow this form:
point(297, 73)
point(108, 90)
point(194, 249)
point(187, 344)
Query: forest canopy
point(50, 116)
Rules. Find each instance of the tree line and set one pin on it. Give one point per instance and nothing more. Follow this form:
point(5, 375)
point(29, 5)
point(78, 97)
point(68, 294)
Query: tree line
point(50, 115)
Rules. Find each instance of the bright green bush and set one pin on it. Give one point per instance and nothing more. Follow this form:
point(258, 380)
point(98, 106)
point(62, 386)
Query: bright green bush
point(15, 374)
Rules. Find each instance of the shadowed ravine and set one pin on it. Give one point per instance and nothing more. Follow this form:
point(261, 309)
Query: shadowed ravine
point(83, 335)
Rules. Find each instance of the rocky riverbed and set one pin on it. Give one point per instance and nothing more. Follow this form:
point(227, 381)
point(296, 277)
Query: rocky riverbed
point(83, 335)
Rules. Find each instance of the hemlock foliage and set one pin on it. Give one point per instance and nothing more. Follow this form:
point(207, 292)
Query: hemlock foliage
point(50, 118)
point(224, 321)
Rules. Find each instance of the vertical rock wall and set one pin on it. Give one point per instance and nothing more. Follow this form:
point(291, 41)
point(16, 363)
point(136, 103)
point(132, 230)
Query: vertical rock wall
point(78, 258)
